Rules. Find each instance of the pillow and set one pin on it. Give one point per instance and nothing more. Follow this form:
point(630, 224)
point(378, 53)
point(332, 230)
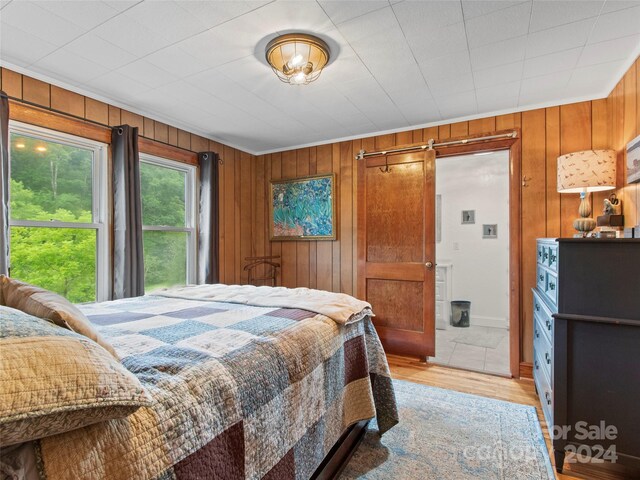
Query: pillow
point(42, 303)
point(53, 380)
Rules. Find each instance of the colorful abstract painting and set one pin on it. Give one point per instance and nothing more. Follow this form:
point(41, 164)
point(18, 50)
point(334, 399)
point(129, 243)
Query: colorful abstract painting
point(303, 209)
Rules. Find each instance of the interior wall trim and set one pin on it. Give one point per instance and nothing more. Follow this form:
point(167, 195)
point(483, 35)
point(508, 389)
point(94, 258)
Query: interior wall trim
point(513, 145)
point(26, 112)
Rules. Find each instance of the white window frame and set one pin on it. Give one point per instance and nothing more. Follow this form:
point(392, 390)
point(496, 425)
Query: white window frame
point(99, 200)
point(191, 202)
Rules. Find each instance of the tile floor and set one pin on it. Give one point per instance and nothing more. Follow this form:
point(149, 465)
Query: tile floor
point(472, 357)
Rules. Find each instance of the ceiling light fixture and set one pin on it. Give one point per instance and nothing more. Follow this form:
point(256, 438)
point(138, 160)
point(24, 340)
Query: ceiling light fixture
point(19, 145)
point(297, 58)
point(41, 148)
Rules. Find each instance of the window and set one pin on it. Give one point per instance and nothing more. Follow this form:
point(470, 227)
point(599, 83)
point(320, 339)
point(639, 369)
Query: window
point(58, 238)
point(168, 219)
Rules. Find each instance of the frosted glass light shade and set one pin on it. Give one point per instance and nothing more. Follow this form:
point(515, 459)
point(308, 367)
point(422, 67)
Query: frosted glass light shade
point(590, 170)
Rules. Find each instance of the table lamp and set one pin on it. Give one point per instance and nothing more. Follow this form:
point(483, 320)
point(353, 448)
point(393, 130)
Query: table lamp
point(584, 172)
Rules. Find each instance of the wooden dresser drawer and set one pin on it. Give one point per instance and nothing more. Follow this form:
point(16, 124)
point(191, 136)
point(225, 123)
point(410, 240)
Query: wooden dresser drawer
point(542, 347)
point(543, 386)
point(551, 288)
point(552, 260)
point(542, 312)
point(540, 250)
point(541, 278)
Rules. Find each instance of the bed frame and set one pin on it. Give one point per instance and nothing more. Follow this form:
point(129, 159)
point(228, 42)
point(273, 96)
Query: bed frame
point(341, 452)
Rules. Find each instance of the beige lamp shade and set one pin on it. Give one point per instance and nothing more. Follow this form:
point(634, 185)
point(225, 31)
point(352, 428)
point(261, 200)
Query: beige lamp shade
point(589, 170)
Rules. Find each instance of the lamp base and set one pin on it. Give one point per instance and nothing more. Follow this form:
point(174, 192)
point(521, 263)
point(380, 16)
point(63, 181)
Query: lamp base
point(584, 225)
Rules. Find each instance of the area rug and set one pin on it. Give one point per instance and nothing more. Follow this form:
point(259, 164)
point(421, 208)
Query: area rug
point(444, 434)
point(480, 339)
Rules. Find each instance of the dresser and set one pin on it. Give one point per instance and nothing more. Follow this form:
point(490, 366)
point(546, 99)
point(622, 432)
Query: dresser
point(443, 294)
point(586, 311)
point(545, 304)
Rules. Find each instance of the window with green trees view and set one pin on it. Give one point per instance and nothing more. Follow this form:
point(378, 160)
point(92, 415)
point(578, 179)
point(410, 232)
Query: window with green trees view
point(168, 203)
point(57, 234)
point(57, 208)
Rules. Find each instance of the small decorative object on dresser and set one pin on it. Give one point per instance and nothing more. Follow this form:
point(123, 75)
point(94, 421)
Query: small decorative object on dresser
point(586, 356)
point(611, 213)
point(584, 172)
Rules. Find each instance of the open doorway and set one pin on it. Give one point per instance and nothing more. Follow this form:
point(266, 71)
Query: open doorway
point(472, 257)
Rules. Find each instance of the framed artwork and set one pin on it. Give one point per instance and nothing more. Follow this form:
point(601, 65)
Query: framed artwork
point(303, 208)
point(468, 217)
point(490, 231)
point(633, 160)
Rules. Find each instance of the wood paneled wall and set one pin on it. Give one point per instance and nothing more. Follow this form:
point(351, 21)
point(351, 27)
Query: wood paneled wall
point(624, 123)
point(546, 133)
point(235, 173)
point(331, 265)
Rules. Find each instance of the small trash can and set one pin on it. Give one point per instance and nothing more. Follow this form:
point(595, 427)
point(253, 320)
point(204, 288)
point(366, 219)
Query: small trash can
point(460, 313)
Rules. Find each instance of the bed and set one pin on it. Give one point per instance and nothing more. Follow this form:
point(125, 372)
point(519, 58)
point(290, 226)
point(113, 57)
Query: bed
point(245, 382)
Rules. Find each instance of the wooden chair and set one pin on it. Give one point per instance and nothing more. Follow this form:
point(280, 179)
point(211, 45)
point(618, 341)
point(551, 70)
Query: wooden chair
point(270, 270)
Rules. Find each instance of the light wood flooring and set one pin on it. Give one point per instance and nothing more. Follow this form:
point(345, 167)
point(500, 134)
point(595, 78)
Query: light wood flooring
point(501, 388)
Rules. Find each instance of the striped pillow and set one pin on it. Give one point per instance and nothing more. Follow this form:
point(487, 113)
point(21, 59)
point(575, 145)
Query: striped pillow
point(42, 303)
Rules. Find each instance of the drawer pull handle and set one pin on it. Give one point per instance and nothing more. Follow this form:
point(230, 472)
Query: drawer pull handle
point(537, 307)
point(537, 365)
point(547, 357)
point(548, 322)
point(548, 397)
point(537, 333)
point(541, 277)
point(552, 286)
point(545, 256)
point(552, 258)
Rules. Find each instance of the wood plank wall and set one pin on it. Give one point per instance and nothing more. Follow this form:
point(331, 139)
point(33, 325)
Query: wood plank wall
point(624, 105)
point(244, 179)
point(546, 133)
point(236, 173)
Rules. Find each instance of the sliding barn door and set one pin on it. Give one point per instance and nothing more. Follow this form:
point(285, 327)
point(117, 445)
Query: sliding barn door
point(396, 248)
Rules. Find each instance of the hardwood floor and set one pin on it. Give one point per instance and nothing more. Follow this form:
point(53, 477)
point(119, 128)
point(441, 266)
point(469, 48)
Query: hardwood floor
point(501, 388)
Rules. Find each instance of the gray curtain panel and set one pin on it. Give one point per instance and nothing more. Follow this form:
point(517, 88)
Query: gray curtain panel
point(208, 221)
point(4, 184)
point(128, 262)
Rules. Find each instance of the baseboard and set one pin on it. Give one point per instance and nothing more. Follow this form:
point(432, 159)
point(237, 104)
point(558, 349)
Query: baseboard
point(526, 370)
point(493, 322)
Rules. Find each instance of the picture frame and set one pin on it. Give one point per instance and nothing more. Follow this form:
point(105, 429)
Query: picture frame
point(468, 217)
point(303, 208)
point(633, 160)
point(490, 230)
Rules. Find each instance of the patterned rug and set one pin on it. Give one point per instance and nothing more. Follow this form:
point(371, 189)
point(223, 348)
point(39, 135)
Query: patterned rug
point(449, 435)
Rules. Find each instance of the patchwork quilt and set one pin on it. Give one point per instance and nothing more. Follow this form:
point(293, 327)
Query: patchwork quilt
point(239, 391)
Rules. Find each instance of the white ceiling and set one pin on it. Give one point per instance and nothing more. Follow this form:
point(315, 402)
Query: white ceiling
point(199, 64)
